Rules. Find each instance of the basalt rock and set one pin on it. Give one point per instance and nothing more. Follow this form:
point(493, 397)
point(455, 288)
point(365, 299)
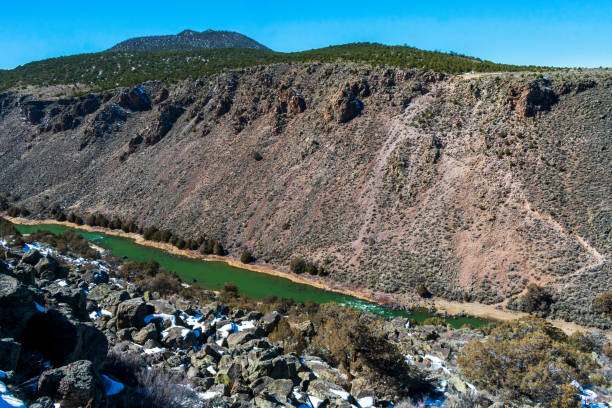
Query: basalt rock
point(17, 306)
point(535, 97)
point(75, 385)
point(135, 99)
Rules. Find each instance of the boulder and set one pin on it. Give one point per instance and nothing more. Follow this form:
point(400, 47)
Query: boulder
point(149, 332)
point(236, 339)
point(305, 328)
point(162, 306)
point(135, 99)
point(74, 297)
point(16, 306)
point(31, 257)
point(131, 313)
point(25, 273)
point(179, 337)
point(279, 389)
point(63, 340)
point(270, 321)
point(9, 354)
point(72, 386)
point(46, 268)
point(324, 371)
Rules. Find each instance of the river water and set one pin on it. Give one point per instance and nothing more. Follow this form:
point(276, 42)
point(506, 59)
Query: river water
point(213, 275)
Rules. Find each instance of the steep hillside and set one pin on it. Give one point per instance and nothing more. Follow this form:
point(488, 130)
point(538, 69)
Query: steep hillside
point(189, 40)
point(473, 185)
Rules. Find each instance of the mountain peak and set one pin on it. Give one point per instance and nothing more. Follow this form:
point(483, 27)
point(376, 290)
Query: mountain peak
point(189, 40)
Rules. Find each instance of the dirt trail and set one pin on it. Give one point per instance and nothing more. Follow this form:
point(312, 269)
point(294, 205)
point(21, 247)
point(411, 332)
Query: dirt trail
point(599, 259)
point(399, 130)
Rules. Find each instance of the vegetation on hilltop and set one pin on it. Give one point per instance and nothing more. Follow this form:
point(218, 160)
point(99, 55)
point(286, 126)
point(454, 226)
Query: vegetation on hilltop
point(108, 70)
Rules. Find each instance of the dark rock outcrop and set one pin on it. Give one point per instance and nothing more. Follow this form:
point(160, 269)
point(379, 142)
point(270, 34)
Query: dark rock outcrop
point(131, 313)
point(75, 385)
point(16, 307)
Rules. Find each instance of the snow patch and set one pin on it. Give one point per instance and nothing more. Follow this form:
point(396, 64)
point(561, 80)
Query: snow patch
point(208, 395)
point(366, 402)
point(437, 363)
point(153, 350)
point(7, 400)
point(341, 393)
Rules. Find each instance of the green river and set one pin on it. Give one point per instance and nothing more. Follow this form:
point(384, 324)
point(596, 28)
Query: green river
point(213, 275)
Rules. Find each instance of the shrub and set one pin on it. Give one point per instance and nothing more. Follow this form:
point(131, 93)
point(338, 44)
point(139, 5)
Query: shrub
point(163, 283)
point(311, 269)
point(18, 212)
point(149, 233)
point(180, 243)
point(537, 299)
point(355, 343)
point(247, 257)
point(90, 220)
point(7, 228)
point(423, 292)
point(603, 304)
point(297, 265)
point(139, 270)
point(526, 358)
point(218, 249)
point(67, 242)
point(160, 388)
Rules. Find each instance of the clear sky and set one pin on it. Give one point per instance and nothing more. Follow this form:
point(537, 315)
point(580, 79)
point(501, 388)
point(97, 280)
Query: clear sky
point(559, 33)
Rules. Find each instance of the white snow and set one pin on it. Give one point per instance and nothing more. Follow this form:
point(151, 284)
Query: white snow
point(112, 387)
point(473, 389)
point(153, 350)
point(61, 282)
point(7, 400)
point(211, 369)
point(437, 363)
point(95, 314)
point(185, 332)
point(40, 308)
point(247, 324)
point(162, 316)
point(366, 402)
point(208, 395)
point(341, 393)
point(315, 401)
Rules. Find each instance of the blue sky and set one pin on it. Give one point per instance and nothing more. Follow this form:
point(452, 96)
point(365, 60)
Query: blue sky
point(562, 33)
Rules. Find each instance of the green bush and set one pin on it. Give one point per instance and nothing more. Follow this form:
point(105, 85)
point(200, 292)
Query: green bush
point(423, 292)
point(247, 257)
point(537, 299)
point(603, 304)
point(297, 265)
point(527, 358)
point(108, 70)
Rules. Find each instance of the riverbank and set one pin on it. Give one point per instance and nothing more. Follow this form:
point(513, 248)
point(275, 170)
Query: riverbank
point(489, 312)
point(140, 240)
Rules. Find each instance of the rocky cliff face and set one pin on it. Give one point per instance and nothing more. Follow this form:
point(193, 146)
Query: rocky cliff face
point(473, 185)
